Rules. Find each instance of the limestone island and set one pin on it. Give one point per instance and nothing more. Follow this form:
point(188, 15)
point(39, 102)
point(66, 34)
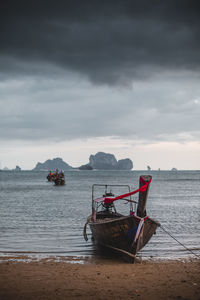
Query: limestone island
point(99, 161)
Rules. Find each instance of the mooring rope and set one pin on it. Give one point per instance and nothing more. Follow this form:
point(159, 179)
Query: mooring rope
point(179, 242)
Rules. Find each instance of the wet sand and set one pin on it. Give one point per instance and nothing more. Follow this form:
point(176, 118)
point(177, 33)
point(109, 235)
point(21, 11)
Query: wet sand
point(99, 280)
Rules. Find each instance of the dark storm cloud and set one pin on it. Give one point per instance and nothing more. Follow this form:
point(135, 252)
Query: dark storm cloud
point(49, 50)
point(108, 41)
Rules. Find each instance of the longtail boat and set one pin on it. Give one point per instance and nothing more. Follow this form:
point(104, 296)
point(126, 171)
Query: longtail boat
point(51, 176)
point(126, 234)
point(59, 179)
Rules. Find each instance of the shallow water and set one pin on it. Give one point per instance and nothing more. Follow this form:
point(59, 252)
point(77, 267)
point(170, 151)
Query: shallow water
point(39, 218)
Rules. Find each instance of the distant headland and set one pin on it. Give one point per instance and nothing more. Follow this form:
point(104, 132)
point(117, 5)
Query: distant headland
point(52, 164)
point(99, 161)
point(17, 169)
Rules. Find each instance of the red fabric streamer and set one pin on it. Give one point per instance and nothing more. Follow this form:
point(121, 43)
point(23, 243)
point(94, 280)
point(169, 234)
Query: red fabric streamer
point(141, 189)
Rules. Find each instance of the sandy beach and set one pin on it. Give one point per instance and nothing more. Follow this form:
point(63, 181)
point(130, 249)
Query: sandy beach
point(100, 280)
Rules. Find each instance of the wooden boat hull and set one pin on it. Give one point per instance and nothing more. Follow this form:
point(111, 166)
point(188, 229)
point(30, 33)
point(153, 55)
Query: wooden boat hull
point(59, 181)
point(50, 178)
point(120, 233)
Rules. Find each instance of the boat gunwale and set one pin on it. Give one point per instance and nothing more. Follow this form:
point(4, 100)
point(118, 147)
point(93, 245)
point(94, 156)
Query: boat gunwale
point(112, 220)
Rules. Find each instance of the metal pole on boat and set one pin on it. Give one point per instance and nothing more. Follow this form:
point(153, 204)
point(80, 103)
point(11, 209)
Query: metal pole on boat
point(141, 209)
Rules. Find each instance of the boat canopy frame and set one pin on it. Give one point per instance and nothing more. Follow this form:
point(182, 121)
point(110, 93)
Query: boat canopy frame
point(96, 205)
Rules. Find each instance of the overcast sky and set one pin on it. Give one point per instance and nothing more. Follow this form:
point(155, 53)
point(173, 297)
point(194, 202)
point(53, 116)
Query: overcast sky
point(122, 77)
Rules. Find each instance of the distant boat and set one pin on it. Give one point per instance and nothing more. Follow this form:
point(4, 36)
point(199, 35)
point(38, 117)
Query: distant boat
point(126, 234)
point(58, 178)
point(51, 176)
point(59, 181)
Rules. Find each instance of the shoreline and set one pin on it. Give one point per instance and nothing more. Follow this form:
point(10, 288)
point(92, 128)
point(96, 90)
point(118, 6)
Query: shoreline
point(101, 257)
point(100, 279)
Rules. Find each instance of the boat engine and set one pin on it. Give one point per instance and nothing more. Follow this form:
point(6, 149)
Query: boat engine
point(108, 206)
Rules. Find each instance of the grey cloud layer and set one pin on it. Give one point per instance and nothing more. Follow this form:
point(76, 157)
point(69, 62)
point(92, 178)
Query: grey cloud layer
point(49, 49)
point(57, 110)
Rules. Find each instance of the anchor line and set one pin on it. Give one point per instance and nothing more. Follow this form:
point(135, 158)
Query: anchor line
point(179, 242)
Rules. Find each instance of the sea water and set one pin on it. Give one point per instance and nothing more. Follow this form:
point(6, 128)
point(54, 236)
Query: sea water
point(37, 217)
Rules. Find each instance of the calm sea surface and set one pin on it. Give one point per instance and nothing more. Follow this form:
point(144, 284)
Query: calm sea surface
point(43, 219)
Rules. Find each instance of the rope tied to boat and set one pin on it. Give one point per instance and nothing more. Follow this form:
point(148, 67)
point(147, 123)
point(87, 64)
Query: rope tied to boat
point(85, 228)
point(198, 256)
